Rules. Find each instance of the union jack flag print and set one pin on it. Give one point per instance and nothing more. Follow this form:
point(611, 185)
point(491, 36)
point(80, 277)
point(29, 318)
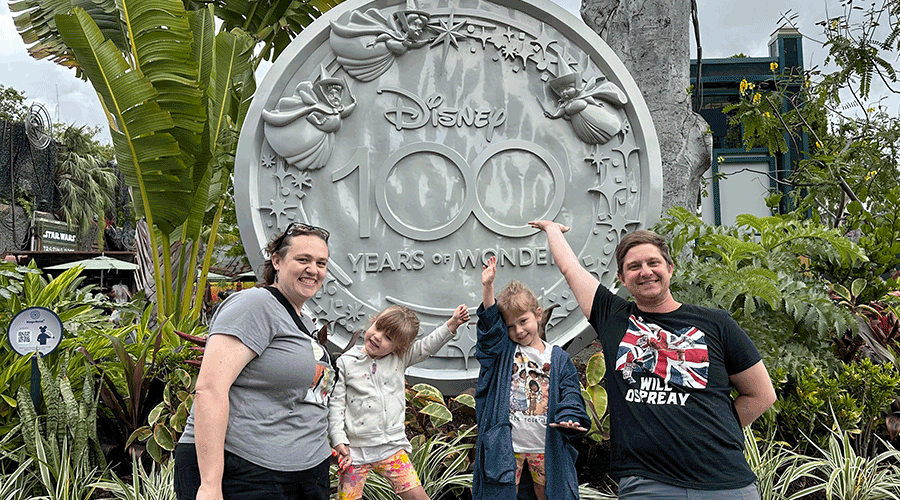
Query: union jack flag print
point(679, 358)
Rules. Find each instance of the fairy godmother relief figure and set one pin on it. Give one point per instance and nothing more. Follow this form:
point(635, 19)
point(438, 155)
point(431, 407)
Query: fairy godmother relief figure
point(588, 109)
point(367, 44)
point(301, 128)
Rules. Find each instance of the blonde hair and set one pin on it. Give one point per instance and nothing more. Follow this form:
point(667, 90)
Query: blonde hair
point(517, 299)
point(400, 324)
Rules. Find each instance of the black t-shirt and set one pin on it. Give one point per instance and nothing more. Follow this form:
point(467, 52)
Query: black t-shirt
point(672, 415)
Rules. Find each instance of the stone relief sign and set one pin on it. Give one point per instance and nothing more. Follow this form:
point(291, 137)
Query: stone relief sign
point(425, 136)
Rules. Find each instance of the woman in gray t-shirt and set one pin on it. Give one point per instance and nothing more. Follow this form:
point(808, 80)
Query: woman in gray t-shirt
point(258, 428)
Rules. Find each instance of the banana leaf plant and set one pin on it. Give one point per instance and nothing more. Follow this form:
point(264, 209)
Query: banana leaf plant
point(174, 106)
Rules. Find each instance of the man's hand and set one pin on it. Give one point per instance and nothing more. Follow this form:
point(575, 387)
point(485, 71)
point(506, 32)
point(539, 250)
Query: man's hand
point(543, 225)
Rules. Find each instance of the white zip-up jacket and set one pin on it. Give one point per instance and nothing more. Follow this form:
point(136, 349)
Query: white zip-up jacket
point(368, 405)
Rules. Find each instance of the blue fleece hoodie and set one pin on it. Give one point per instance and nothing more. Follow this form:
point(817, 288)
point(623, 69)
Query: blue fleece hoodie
point(494, 476)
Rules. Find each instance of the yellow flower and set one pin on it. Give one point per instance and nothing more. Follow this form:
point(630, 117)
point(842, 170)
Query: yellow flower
point(773, 66)
point(756, 98)
point(744, 86)
point(767, 115)
point(870, 110)
point(720, 159)
point(870, 175)
point(818, 144)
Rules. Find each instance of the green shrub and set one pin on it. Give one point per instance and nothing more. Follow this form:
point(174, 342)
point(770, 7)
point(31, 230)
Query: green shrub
point(855, 399)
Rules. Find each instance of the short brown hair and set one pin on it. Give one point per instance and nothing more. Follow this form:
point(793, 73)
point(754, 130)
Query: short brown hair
point(400, 324)
point(640, 237)
point(517, 299)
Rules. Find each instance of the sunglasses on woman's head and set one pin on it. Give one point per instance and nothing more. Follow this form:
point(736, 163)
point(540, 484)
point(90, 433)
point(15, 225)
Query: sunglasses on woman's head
point(297, 228)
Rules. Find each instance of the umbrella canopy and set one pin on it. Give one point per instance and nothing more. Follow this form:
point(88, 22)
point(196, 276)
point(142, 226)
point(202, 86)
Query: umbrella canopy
point(247, 276)
point(211, 276)
point(100, 262)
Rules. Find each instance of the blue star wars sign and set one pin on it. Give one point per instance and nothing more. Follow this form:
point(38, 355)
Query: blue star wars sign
point(35, 330)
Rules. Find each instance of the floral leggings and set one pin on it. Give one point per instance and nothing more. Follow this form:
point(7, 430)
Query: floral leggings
point(535, 466)
point(397, 469)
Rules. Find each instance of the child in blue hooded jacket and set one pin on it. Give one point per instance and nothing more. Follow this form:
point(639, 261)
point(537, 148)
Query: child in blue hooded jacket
point(528, 400)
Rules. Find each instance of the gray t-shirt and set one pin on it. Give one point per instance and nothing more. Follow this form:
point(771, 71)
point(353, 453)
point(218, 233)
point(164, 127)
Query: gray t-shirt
point(278, 415)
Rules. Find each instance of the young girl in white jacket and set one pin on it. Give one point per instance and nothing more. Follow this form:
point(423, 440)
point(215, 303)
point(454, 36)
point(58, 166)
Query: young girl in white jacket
point(368, 405)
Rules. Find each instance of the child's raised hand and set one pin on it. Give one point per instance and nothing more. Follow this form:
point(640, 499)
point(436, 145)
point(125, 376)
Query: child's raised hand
point(460, 316)
point(568, 424)
point(490, 271)
point(543, 225)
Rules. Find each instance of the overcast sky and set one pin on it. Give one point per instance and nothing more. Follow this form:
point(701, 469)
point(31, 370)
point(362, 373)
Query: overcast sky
point(727, 27)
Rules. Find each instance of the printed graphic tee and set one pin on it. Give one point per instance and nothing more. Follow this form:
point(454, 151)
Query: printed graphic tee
point(672, 415)
point(529, 396)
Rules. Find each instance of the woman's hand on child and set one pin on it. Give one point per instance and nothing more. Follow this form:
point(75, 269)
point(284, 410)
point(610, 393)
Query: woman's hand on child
point(460, 316)
point(543, 225)
point(568, 424)
point(342, 453)
point(490, 271)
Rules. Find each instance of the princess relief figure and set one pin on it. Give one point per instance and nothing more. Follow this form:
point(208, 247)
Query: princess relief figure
point(307, 144)
point(587, 108)
point(368, 43)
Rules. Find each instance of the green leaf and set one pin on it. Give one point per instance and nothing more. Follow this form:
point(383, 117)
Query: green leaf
point(596, 369)
point(183, 377)
point(155, 451)
point(428, 393)
point(598, 399)
point(179, 419)
point(140, 434)
point(438, 413)
point(157, 414)
point(857, 287)
point(465, 400)
point(163, 436)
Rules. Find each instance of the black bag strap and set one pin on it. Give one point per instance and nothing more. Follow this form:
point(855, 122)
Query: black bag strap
point(290, 309)
point(322, 333)
point(353, 340)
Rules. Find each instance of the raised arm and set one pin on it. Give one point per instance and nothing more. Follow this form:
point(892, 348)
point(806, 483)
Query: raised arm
point(432, 343)
point(583, 283)
point(755, 393)
point(487, 282)
point(224, 358)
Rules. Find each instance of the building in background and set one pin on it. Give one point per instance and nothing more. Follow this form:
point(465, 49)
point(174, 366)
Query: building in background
point(739, 179)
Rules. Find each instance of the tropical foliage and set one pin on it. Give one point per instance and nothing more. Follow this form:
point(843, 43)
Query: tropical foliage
point(176, 94)
point(595, 397)
point(12, 104)
point(761, 271)
point(84, 181)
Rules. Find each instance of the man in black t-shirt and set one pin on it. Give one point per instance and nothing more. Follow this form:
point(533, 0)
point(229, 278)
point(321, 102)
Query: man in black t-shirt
point(671, 368)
